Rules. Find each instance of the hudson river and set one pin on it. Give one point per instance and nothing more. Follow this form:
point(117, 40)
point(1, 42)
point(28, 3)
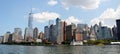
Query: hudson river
point(59, 49)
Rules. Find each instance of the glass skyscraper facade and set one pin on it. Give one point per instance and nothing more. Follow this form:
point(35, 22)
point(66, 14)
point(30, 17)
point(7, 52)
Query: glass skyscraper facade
point(46, 31)
point(30, 24)
point(18, 31)
point(35, 33)
point(118, 29)
point(29, 30)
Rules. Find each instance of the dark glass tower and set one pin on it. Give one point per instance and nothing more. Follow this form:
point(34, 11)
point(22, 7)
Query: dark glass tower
point(35, 33)
point(118, 28)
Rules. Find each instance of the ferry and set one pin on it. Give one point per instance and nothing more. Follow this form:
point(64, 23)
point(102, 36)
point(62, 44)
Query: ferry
point(118, 43)
point(76, 43)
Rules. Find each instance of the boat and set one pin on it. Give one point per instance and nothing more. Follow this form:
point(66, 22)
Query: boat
point(115, 43)
point(76, 43)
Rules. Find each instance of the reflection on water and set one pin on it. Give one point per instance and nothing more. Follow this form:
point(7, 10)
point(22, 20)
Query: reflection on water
point(60, 49)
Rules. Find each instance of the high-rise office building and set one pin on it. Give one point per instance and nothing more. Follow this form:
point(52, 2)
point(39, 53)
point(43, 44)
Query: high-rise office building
point(1, 39)
point(18, 33)
point(29, 30)
point(30, 20)
point(96, 30)
point(78, 34)
point(60, 32)
point(6, 36)
point(35, 33)
point(64, 31)
point(92, 34)
point(15, 37)
point(85, 30)
point(51, 33)
point(27, 35)
point(54, 34)
point(46, 32)
point(30, 24)
point(57, 26)
point(41, 35)
point(118, 28)
point(114, 32)
point(102, 32)
point(70, 32)
point(106, 33)
point(10, 39)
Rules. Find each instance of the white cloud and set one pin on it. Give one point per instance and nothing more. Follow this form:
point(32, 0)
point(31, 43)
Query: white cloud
point(52, 2)
point(72, 19)
point(85, 4)
point(108, 17)
point(45, 16)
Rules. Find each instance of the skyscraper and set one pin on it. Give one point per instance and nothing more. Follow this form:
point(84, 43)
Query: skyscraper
point(30, 20)
point(60, 32)
point(35, 32)
point(92, 34)
point(96, 30)
point(29, 30)
point(57, 26)
point(51, 33)
point(30, 23)
point(114, 31)
point(6, 36)
point(46, 31)
point(27, 35)
point(41, 35)
point(70, 32)
point(106, 32)
point(10, 38)
point(17, 35)
point(1, 39)
point(78, 34)
point(102, 32)
point(18, 31)
point(85, 30)
point(64, 31)
point(118, 28)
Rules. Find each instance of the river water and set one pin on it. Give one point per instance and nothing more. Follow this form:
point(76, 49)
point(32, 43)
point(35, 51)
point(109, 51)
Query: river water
point(59, 49)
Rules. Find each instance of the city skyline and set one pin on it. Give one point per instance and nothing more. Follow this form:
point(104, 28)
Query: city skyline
point(61, 32)
point(16, 13)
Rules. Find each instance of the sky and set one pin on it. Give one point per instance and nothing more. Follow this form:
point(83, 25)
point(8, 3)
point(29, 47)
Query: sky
point(15, 13)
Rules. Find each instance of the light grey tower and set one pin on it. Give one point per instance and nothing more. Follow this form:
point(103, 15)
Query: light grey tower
point(30, 20)
point(30, 23)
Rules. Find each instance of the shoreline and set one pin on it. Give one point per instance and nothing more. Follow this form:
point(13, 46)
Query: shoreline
point(57, 45)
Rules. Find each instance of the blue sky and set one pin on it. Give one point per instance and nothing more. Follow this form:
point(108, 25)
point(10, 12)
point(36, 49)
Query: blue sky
point(14, 13)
